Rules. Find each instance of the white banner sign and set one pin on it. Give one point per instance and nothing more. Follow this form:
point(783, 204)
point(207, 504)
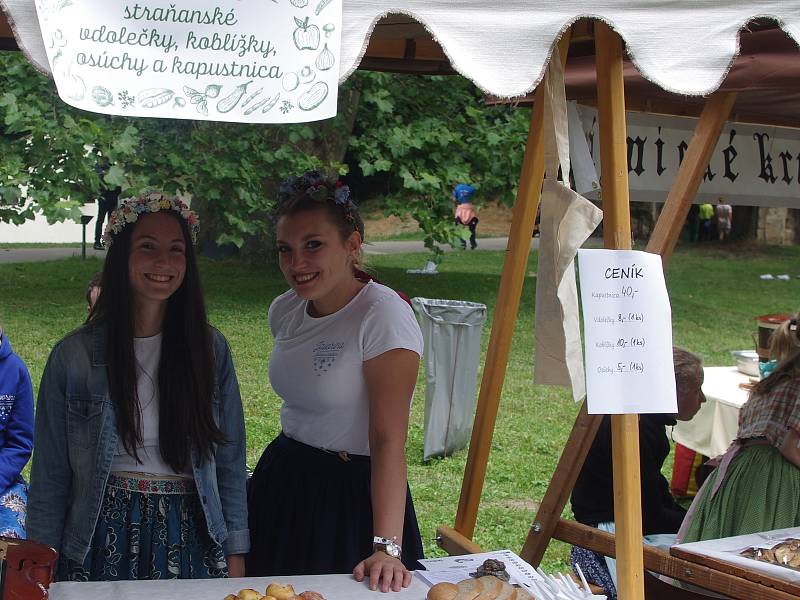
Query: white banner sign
point(627, 323)
point(752, 165)
point(252, 61)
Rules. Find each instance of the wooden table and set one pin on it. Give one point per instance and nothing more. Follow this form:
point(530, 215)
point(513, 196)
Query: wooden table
point(714, 427)
point(333, 587)
point(721, 555)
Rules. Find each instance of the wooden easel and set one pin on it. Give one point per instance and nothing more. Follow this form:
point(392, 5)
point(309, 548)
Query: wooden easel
point(627, 544)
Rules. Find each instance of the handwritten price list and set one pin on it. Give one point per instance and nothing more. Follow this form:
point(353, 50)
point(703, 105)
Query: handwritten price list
point(627, 325)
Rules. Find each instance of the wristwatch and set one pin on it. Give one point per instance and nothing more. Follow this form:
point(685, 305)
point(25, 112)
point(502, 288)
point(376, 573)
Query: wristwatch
point(389, 546)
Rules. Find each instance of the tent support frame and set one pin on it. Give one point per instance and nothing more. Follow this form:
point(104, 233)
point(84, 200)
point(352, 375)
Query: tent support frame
point(548, 523)
point(507, 307)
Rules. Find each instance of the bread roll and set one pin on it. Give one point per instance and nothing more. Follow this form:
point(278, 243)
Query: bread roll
point(492, 587)
point(507, 592)
point(311, 595)
point(280, 591)
point(442, 591)
point(469, 589)
point(250, 594)
point(231, 597)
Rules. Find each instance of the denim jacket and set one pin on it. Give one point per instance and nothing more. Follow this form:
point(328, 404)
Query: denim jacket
point(76, 437)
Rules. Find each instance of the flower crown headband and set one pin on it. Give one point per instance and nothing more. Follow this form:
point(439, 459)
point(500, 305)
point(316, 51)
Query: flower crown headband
point(152, 202)
point(316, 186)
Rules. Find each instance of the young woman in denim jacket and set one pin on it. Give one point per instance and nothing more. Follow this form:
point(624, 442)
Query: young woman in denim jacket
point(139, 470)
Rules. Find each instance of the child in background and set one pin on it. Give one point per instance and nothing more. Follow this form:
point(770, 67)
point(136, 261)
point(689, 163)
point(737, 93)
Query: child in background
point(465, 212)
point(16, 439)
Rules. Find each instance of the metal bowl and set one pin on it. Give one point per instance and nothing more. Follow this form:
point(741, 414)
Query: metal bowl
point(746, 362)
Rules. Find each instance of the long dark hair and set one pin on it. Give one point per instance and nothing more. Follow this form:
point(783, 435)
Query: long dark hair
point(186, 368)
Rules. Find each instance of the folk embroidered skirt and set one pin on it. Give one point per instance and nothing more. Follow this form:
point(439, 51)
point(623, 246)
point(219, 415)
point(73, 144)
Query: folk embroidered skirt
point(310, 513)
point(13, 503)
point(760, 492)
point(149, 529)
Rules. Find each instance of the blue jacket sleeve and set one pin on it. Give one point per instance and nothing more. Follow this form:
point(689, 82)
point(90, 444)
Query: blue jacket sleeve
point(231, 456)
point(51, 474)
point(18, 442)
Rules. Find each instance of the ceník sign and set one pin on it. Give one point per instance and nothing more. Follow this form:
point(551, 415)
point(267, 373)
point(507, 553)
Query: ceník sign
point(252, 61)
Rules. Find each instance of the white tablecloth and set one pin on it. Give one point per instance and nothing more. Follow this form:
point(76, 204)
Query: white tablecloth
point(714, 426)
point(333, 587)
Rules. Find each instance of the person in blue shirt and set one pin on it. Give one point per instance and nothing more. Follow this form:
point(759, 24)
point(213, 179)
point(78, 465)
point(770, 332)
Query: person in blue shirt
point(16, 438)
point(465, 212)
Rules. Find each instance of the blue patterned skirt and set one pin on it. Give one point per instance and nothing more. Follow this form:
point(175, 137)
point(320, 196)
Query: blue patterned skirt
point(12, 509)
point(149, 529)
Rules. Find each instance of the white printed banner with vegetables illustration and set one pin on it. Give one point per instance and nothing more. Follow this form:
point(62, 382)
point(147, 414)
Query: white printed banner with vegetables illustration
point(251, 61)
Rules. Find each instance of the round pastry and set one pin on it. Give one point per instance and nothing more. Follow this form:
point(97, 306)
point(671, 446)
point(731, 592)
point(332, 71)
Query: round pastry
point(309, 595)
point(280, 591)
point(231, 597)
point(442, 591)
point(469, 588)
point(250, 594)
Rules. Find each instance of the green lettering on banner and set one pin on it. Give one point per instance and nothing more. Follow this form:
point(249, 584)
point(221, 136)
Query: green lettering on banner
point(104, 60)
point(171, 15)
point(200, 69)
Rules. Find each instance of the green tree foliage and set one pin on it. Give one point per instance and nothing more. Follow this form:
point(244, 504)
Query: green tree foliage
point(421, 135)
point(231, 170)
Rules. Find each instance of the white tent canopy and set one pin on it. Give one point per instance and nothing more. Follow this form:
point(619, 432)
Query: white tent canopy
point(503, 46)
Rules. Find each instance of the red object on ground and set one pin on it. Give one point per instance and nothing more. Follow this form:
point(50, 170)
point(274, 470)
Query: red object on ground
point(684, 470)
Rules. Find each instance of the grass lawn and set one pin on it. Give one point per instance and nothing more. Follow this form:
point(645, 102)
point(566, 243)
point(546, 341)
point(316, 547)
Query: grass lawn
point(715, 293)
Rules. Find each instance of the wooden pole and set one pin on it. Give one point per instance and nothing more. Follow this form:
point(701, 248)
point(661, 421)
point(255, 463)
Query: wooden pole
point(617, 235)
point(560, 487)
point(715, 113)
point(665, 235)
point(505, 315)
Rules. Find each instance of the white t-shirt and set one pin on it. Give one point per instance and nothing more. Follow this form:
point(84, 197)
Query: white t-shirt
point(148, 354)
point(316, 365)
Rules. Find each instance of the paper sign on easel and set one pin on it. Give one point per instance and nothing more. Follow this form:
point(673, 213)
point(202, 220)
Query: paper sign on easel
point(628, 332)
point(248, 61)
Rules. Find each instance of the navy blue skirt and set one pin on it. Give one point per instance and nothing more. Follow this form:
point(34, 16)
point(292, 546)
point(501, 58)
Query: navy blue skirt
point(148, 529)
point(310, 513)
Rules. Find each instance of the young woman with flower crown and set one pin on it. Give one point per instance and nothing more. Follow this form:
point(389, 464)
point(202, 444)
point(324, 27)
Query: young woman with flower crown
point(330, 493)
point(139, 468)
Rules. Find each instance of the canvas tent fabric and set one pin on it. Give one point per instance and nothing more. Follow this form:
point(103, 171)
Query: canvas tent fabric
point(765, 76)
point(503, 48)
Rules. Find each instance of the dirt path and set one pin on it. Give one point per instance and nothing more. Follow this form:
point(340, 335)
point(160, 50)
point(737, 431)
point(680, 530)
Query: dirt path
point(495, 221)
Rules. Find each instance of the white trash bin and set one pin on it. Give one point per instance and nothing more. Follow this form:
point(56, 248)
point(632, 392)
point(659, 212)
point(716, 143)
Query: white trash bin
point(452, 333)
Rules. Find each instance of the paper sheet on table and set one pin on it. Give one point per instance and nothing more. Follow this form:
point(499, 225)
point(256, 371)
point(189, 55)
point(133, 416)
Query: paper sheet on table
point(221, 60)
point(456, 568)
point(628, 330)
point(728, 549)
point(567, 220)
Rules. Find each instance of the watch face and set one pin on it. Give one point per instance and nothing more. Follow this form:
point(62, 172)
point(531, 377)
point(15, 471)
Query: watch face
point(391, 550)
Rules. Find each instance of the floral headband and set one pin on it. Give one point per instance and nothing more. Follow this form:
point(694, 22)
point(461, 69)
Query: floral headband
point(316, 186)
point(151, 202)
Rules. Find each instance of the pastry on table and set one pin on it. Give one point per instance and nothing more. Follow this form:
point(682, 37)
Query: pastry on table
point(280, 591)
point(275, 591)
point(487, 587)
